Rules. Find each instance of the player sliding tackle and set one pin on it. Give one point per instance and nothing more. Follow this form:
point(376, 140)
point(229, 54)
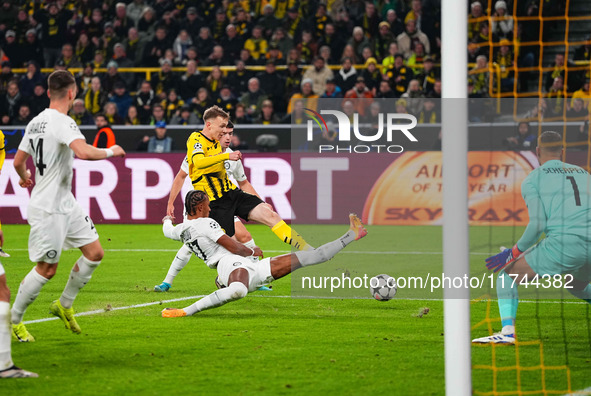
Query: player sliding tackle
point(239, 270)
point(558, 199)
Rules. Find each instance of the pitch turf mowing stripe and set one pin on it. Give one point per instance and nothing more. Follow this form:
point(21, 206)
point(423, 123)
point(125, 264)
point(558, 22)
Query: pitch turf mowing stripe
point(98, 311)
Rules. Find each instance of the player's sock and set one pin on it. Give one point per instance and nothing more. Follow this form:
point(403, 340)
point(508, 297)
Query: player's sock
point(5, 330)
point(180, 260)
point(234, 291)
point(78, 280)
point(289, 236)
point(28, 291)
point(508, 300)
point(326, 251)
point(584, 294)
point(250, 244)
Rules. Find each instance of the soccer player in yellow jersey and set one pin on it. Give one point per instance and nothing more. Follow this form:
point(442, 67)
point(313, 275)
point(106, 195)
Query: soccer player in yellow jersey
point(208, 173)
point(2, 157)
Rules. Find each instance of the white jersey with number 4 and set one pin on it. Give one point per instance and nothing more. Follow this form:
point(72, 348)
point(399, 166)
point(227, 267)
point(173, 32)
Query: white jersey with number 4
point(47, 139)
point(200, 235)
point(234, 168)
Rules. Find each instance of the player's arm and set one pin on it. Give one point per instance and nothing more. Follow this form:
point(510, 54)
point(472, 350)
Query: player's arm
point(169, 230)
point(88, 152)
point(200, 161)
point(20, 165)
point(237, 248)
point(177, 185)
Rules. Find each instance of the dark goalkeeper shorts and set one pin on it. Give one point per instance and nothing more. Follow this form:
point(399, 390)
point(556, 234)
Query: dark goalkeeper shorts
point(233, 203)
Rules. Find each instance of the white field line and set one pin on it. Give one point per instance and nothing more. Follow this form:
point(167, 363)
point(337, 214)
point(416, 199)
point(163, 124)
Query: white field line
point(287, 251)
point(162, 302)
point(586, 391)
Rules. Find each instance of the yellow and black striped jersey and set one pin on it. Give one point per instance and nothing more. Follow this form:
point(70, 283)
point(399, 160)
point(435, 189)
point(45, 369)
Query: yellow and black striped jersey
point(206, 166)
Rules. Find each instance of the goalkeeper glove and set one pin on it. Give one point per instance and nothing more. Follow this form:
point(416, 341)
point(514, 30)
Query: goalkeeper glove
point(503, 259)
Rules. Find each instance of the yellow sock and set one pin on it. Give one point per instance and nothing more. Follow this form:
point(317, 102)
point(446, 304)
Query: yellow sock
point(288, 235)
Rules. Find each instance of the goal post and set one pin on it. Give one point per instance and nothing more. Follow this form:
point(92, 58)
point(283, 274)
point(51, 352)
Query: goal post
point(454, 36)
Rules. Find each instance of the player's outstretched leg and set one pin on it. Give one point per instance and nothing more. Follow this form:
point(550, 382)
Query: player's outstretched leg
point(234, 291)
point(180, 260)
point(28, 291)
point(263, 214)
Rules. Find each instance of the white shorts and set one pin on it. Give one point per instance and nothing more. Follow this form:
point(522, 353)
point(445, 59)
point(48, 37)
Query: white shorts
point(1, 270)
point(51, 233)
point(259, 272)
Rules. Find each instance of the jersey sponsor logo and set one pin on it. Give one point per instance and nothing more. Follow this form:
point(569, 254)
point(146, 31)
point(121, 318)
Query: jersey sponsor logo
point(51, 254)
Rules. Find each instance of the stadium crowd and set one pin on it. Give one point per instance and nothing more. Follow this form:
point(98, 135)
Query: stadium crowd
point(381, 49)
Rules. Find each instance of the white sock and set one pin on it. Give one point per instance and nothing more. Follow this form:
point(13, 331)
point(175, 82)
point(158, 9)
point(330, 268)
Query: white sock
point(77, 280)
point(27, 293)
point(250, 244)
point(5, 330)
point(325, 252)
point(181, 259)
point(235, 291)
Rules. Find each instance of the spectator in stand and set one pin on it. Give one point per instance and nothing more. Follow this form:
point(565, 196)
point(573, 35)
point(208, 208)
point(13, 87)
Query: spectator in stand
point(325, 53)
point(54, 26)
point(84, 50)
point(319, 73)
point(504, 58)
point(143, 101)
point(372, 75)
point(383, 41)
point(112, 77)
point(31, 49)
point(95, 97)
point(164, 80)
point(525, 140)
point(369, 21)
point(215, 81)
point(396, 25)
point(218, 27)
point(579, 113)
point(134, 45)
point(428, 75)
point(333, 40)
point(319, 20)
point(298, 116)
point(349, 52)
point(399, 75)
point(556, 97)
point(105, 137)
point(160, 143)
point(39, 101)
point(502, 23)
point(410, 35)
point(8, 12)
point(436, 93)
point(346, 76)
point(169, 22)
point(284, 42)
point(308, 97)
point(272, 84)
point(192, 22)
point(293, 23)
point(147, 23)
point(390, 58)
point(132, 118)
point(171, 104)
point(238, 79)
point(293, 80)
point(135, 9)
point(232, 44)
point(121, 98)
point(226, 100)
point(528, 31)
point(181, 44)
point(475, 20)
point(267, 21)
point(483, 39)
point(359, 41)
point(122, 22)
point(584, 94)
point(107, 41)
point(417, 57)
point(429, 113)
point(274, 54)
point(413, 96)
point(216, 58)
point(560, 69)
point(294, 56)
point(111, 114)
point(307, 47)
point(360, 91)
point(24, 115)
point(10, 103)
point(473, 52)
point(31, 78)
point(12, 49)
point(385, 91)
point(237, 143)
point(240, 116)
point(157, 114)
point(80, 114)
point(204, 43)
point(99, 59)
point(257, 44)
point(184, 116)
point(190, 82)
point(332, 91)
point(155, 49)
point(201, 102)
point(478, 80)
point(253, 99)
point(268, 115)
point(242, 23)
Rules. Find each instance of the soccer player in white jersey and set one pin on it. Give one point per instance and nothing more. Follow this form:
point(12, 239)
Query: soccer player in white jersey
point(239, 270)
point(57, 221)
point(235, 169)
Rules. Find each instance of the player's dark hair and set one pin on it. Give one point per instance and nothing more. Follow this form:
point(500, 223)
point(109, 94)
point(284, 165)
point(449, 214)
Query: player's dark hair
point(551, 142)
point(214, 112)
point(192, 199)
point(58, 83)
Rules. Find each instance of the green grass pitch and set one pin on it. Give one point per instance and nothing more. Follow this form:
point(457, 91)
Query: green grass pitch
point(270, 343)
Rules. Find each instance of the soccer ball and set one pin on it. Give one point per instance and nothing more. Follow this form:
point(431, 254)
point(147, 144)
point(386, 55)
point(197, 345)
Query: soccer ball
point(383, 287)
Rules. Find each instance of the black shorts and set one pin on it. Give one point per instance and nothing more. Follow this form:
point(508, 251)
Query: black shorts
point(233, 203)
